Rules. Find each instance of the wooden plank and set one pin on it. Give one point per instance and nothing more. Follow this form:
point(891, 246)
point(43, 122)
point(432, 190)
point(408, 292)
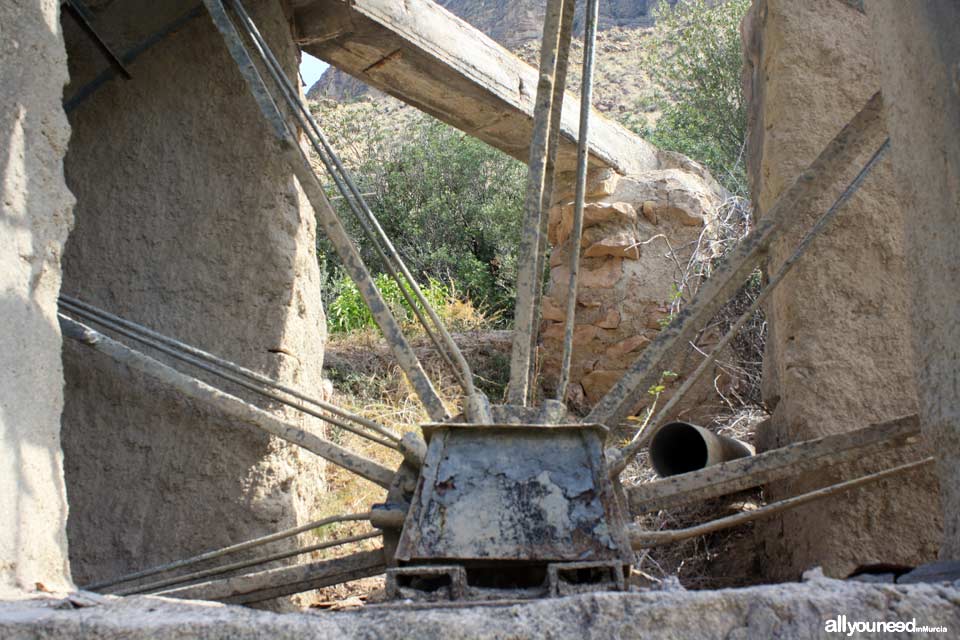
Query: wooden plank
point(418, 52)
point(284, 581)
point(745, 473)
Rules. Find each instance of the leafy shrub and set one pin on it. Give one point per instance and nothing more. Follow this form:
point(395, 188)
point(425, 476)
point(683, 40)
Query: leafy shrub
point(694, 56)
point(346, 310)
point(450, 204)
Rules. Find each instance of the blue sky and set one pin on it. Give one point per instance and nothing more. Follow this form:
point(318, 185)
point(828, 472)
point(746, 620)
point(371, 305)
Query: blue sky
point(311, 69)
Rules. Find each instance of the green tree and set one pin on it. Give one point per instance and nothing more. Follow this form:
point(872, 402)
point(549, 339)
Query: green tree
point(449, 203)
point(694, 57)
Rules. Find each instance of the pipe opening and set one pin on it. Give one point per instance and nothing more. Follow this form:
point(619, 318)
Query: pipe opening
point(678, 448)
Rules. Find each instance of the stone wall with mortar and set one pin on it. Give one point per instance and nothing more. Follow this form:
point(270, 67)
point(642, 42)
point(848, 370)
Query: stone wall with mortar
point(838, 353)
point(639, 234)
point(188, 222)
point(35, 216)
point(918, 50)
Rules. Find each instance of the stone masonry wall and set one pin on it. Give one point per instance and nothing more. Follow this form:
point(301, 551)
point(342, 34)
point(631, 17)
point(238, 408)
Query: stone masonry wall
point(838, 353)
point(190, 223)
point(35, 216)
point(639, 230)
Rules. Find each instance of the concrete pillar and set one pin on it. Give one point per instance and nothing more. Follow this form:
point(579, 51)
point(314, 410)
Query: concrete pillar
point(918, 51)
point(838, 353)
point(35, 216)
point(189, 222)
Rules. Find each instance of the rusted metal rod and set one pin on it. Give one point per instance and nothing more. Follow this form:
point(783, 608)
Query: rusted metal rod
point(203, 360)
point(525, 313)
point(326, 216)
point(553, 145)
point(396, 268)
point(586, 97)
point(770, 466)
point(640, 539)
point(243, 564)
point(230, 405)
point(643, 436)
point(234, 548)
point(275, 583)
point(864, 133)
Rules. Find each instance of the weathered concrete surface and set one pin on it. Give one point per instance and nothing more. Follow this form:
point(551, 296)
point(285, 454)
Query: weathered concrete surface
point(918, 50)
point(420, 53)
point(838, 350)
point(189, 222)
point(35, 216)
point(780, 611)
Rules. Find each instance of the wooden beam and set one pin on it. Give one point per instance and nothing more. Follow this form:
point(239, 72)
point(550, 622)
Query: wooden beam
point(420, 53)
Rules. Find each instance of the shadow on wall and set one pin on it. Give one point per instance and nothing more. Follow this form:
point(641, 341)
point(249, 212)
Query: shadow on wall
point(35, 216)
point(189, 223)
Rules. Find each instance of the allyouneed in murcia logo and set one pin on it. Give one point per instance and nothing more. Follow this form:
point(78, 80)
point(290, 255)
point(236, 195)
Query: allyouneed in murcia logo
point(842, 624)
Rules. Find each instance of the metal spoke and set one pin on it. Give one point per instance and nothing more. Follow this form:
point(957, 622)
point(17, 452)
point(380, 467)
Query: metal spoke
point(644, 435)
point(538, 181)
point(275, 583)
point(326, 217)
point(396, 268)
point(640, 539)
point(230, 405)
point(586, 95)
point(234, 548)
point(204, 360)
point(865, 132)
point(243, 564)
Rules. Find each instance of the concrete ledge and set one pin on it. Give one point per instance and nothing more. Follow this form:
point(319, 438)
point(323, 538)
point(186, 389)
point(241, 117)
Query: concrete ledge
point(794, 610)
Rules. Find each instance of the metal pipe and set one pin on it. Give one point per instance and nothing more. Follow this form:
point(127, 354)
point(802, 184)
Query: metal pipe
point(769, 466)
point(107, 319)
point(642, 436)
point(243, 564)
point(640, 539)
point(230, 405)
point(217, 553)
point(681, 447)
point(527, 278)
point(586, 97)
